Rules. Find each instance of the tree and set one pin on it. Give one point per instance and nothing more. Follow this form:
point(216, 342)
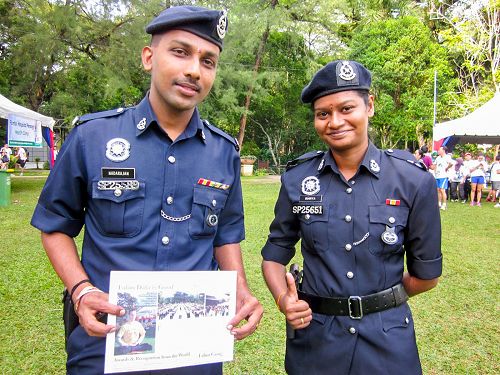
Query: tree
point(402, 57)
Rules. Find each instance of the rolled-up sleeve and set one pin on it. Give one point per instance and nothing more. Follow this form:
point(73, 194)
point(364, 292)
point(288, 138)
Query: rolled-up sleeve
point(423, 233)
point(63, 199)
point(231, 221)
point(284, 231)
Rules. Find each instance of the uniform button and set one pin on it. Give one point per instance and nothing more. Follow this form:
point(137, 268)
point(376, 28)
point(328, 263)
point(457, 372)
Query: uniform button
point(165, 240)
point(350, 275)
point(348, 190)
point(117, 192)
point(407, 320)
point(390, 150)
point(352, 330)
point(170, 200)
point(392, 220)
point(119, 110)
point(214, 203)
point(307, 216)
point(171, 159)
point(348, 218)
point(348, 247)
point(353, 182)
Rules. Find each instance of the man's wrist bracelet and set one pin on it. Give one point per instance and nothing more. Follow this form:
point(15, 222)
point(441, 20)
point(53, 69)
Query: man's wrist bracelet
point(86, 290)
point(76, 286)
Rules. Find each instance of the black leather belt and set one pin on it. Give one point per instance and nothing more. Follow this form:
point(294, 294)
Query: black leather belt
point(356, 306)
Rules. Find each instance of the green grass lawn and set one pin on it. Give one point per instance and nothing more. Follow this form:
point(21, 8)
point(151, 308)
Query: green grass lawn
point(457, 324)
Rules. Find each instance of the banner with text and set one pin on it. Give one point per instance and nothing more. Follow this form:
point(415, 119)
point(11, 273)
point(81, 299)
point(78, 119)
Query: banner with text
point(24, 131)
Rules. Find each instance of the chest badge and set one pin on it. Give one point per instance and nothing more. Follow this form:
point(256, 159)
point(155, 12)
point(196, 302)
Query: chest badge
point(374, 166)
point(117, 149)
point(389, 237)
point(310, 185)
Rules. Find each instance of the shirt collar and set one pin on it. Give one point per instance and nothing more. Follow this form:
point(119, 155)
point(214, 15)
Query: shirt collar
point(144, 116)
point(370, 162)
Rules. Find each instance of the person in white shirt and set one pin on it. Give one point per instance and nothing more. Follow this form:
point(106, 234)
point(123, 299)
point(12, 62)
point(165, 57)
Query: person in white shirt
point(442, 164)
point(22, 157)
point(495, 180)
point(478, 170)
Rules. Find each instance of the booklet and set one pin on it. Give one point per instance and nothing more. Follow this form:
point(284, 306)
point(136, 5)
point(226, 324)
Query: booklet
point(172, 319)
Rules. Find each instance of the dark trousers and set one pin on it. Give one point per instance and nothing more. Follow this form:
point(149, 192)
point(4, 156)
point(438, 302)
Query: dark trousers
point(465, 190)
point(454, 190)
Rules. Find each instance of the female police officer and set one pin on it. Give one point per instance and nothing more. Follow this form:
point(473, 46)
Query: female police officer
point(357, 210)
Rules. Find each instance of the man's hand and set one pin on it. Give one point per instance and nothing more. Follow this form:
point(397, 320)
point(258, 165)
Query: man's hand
point(247, 308)
point(91, 307)
point(297, 312)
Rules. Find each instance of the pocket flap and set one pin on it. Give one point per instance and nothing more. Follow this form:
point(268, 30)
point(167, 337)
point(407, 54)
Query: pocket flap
point(117, 194)
point(207, 196)
point(389, 215)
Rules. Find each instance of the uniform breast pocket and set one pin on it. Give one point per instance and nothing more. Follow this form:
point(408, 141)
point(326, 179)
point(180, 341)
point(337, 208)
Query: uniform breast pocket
point(117, 207)
point(314, 231)
point(387, 224)
point(207, 206)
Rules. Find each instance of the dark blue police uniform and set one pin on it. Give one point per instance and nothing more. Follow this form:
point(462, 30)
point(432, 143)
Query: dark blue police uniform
point(147, 203)
point(355, 235)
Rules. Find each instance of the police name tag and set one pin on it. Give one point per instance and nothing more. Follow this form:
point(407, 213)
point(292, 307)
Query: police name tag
point(121, 173)
point(311, 198)
point(307, 209)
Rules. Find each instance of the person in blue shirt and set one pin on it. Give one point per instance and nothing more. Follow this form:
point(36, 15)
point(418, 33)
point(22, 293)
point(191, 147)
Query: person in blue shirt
point(358, 212)
point(156, 188)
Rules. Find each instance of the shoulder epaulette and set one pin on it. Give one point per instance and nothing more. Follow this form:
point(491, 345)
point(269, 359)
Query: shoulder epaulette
point(93, 116)
point(405, 156)
point(303, 158)
point(223, 134)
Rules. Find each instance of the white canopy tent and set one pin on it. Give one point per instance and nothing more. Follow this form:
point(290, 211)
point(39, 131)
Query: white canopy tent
point(480, 126)
point(7, 107)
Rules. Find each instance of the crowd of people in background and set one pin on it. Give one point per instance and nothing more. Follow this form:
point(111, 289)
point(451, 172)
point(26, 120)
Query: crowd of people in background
point(461, 179)
point(20, 155)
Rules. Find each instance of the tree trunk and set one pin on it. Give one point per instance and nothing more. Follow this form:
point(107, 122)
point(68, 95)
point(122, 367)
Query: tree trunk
point(258, 60)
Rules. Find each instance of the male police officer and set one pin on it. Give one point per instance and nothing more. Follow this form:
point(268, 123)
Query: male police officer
point(156, 187)
point(357, 210)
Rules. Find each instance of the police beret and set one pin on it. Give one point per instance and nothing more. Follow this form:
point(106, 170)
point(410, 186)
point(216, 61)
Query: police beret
point(207, 24)
point(336, 76)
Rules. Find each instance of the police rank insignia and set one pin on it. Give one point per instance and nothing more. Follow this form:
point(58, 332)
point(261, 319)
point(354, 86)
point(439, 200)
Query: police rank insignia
point(310, 185)
point(117, 149)
point(347, 71)
point(222, 25)
point(389, 237)
point(374, 166)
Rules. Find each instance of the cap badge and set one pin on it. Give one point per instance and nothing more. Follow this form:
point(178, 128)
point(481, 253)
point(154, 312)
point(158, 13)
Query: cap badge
point(374, 166)
point(117, 149)
point(347, 71)
point(222, 25)
point(310, 185)
point(142, 124)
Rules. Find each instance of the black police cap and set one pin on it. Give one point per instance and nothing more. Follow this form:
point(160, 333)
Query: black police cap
point(337, 76)
point(205, 23)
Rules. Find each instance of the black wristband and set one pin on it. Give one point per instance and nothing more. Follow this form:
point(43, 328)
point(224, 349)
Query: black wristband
point(76, 286)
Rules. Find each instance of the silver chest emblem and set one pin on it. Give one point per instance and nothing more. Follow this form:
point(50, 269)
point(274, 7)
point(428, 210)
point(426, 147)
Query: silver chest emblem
point(310, 185)
point(117, 149)
point(347, 71)
point(389, 237)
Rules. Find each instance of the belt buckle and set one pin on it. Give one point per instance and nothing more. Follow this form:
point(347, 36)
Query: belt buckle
point(350, 301)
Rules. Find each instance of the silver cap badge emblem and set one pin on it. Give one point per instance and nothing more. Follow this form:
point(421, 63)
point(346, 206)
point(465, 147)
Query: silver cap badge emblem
point(347, 71)
point(222, 25)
